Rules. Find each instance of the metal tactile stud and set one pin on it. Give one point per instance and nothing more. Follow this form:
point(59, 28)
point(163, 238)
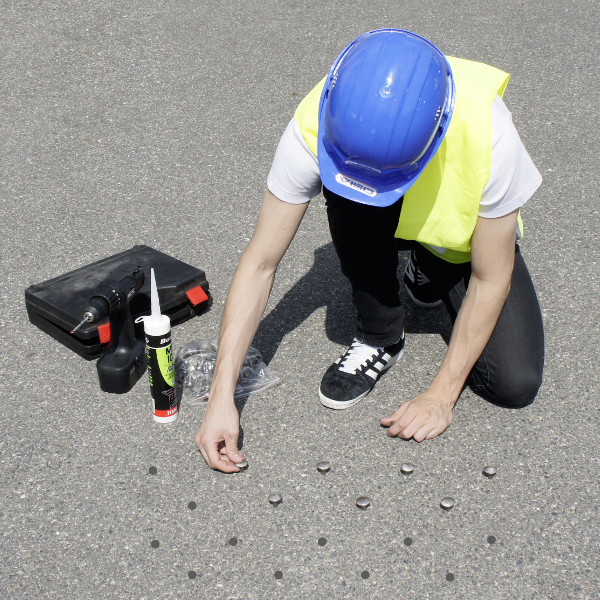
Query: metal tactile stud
point(275, 498)
point(447, 503)
point(243, 465)
point(363, 502)
point(489, 472)
point(407, 468)
point(323, 466)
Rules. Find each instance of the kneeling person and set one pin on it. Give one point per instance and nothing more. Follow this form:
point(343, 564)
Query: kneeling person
point(416, 151)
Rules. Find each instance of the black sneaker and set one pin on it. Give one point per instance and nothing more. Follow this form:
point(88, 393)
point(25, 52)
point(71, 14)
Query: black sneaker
point(420, 289)
point(352, 376)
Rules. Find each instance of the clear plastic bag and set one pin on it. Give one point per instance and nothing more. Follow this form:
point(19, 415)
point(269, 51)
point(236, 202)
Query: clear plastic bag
point(195, 365)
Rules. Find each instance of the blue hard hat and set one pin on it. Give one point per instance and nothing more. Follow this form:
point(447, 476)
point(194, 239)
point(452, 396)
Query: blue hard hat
point(384, 110)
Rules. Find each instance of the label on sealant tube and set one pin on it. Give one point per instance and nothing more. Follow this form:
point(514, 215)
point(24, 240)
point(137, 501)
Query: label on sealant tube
point(161, 373)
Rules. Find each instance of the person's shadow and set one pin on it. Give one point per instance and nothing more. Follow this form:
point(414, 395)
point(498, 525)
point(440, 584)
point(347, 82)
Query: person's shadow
point(324, 285)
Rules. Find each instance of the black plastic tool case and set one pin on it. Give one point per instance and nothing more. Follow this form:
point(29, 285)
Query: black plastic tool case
point(56, 306)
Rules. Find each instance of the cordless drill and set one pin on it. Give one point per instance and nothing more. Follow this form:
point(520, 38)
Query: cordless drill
point(123, 360)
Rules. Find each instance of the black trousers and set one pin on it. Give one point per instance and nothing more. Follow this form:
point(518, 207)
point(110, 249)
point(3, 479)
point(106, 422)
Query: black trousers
point(508, 372)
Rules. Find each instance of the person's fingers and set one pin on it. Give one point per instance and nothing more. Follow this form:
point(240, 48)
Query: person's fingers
point(434, 433)
point(204, 455)
point(401, 425)
point(226, 466)
point(214, 460)
point(387, 421)
point(416, 423)
point(224, 459)
point(424, 432)
point(394, 429)
point(233, 454)
point(231, 447)
point(440, 427)
point(212, 454)
point(197, 440)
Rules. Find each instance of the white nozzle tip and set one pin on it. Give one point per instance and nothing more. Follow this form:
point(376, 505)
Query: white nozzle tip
point(154, 301)
point(156, 323)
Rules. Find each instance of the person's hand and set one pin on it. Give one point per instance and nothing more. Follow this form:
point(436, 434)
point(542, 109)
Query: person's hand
point(217, 437)
point(423, 417)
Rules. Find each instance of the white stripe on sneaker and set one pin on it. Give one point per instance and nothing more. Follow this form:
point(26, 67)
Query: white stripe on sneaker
point(410, 270)
point(371, 374)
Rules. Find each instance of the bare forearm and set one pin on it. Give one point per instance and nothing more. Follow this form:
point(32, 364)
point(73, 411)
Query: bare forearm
point(472, 330)
point(492, 263)
point(246, 302)
point(249, 292)
point(430, 413)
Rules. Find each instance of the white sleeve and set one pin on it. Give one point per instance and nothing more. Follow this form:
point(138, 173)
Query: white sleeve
point(294, 175)
point(513, 176)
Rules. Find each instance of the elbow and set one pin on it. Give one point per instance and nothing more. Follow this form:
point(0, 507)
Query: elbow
point(267, 270)
point(258, 265)
point(491, 289)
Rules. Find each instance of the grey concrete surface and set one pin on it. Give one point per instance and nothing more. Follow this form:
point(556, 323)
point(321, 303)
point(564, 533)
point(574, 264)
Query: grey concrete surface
point(155, 122)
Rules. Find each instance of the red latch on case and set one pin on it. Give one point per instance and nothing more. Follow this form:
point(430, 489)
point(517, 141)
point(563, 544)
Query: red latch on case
point(196, 295)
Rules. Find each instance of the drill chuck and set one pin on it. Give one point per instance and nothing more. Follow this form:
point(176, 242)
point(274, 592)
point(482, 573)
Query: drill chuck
point(96, 310)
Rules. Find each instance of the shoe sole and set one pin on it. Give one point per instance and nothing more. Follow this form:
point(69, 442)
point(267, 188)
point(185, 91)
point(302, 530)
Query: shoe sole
point(341, 405)
point(422, 304)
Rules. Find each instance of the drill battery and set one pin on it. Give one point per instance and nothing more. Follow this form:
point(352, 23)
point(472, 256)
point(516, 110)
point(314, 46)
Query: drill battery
point(56, 305)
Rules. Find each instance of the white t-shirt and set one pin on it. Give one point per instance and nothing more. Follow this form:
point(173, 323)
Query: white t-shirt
point(295, 176)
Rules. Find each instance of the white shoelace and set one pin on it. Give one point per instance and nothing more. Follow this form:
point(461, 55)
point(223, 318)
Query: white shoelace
point(357, 356)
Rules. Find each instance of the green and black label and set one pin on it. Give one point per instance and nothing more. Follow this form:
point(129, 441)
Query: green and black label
point(161, 372)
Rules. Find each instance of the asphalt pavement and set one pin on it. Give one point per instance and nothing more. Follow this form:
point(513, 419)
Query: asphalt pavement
point(125, 123)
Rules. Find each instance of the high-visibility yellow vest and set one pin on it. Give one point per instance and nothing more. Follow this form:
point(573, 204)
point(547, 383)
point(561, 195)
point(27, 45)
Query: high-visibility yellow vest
point(440, 209)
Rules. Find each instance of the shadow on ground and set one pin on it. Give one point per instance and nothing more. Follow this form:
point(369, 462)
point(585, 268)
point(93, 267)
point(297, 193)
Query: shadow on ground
point(324, 285)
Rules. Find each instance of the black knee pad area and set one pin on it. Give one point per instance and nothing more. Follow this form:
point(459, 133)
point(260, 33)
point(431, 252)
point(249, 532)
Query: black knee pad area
point(512, 392)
